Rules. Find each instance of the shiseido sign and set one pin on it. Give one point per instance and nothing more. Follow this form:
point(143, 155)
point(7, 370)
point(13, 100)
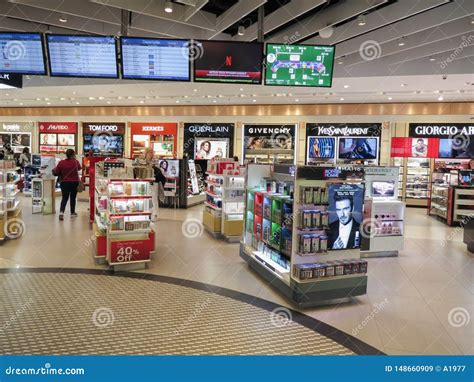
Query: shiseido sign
point(344, 129)
point(106, 127)
point(269, 130)
point(439, 130)
point(58, 127)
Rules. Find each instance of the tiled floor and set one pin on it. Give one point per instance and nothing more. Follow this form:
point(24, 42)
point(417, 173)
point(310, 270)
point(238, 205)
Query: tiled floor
point(424, 296)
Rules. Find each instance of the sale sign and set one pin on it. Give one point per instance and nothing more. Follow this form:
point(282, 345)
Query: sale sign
point(129, 251)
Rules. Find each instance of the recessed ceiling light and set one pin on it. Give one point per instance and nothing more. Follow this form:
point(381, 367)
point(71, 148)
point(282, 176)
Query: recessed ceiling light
point(342, 99)
point(361, 21)
point(390, 98)
point(74, 93)
point(432, 59)
point(195, 90)
point(46, 99)
point(7, 94)
point(108, 102)
point(340, 62)
point(21, 103)
point(38, 99)
point(241, 89)
point(401, 41)
point(214, 101)
point(168, 7)
point(472, 21)
point(142, 101)
point(177, 101)
point(254, 100)
point(403, 85)
point(63, 19)
point(15, 99)
point(440, 98)
point(48, 103)
point(101, 97)
point(77, 103)
point(346, 86)
point(297, 100)
point(92, 98)
point(62, 99)
point(119, 97)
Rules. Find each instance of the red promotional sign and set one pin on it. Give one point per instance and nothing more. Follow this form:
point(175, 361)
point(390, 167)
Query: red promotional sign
point(402, 147)
point(58, 127)
point(130, 250)
point(154, 128)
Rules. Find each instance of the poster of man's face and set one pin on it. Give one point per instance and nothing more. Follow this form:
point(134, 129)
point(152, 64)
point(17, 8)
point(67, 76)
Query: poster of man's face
point(419, 148)
point(345, 215)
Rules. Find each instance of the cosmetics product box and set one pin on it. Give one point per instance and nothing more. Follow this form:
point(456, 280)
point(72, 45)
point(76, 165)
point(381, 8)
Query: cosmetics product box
point(315, 243)
point(324, 219)
point(316, 218)
point(330, 269)
point(323, 243)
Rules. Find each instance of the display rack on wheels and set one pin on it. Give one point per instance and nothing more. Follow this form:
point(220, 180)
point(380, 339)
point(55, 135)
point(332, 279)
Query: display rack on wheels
point(122, 214)
point(292, 231)
point(9, 204)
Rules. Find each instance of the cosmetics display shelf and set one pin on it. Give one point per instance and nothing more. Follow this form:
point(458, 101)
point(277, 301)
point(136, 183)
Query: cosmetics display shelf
point(223, 214)
point(439, 200)
point(268, 156)
point(384, 232)
point(122, 224)
point(9, 202)
point(287, 237)
point(195, 184)
point(463, 203)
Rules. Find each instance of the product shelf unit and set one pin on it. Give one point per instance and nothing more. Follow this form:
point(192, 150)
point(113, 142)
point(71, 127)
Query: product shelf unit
point(287, 232)
point(415, 178)
point(122, 216)
point(9, 202)
point(463, 206)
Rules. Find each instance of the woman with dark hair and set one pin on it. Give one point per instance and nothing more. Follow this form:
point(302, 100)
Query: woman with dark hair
point(67, 171)
point(255, 143)
point(25, 157)
point(204, 150)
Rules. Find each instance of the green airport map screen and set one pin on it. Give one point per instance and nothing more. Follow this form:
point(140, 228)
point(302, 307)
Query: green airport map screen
point(299, 65)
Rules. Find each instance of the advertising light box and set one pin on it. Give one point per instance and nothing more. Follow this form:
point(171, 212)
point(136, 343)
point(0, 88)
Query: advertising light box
point(299, 65)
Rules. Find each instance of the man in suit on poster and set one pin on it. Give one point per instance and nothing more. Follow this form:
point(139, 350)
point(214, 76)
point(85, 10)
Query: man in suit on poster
point(344, 231)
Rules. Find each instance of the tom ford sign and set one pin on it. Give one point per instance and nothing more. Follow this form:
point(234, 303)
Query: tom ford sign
point(103, 127)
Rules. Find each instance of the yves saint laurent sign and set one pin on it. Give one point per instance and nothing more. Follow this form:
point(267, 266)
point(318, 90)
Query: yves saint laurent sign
point(344, 129)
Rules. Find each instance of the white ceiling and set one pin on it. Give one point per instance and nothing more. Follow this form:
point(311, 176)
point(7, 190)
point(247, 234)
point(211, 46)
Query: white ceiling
point(402, 42)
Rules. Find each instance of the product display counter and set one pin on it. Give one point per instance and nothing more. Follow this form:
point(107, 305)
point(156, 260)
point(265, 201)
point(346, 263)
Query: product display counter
point(9, 203)
point(224, 207)
point(292, 231)
point(125, 238)
point(468, 238)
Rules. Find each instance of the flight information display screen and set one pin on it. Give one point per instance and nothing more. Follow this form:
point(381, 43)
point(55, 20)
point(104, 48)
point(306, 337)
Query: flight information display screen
point(82, 56)
point(22, 53)
point(155, 59)
point(299, 65)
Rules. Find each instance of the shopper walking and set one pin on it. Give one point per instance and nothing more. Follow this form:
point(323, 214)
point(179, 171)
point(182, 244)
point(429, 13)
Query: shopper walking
point(67, 171)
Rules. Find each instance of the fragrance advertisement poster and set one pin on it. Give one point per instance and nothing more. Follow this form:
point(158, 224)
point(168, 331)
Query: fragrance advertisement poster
point(345, 215)
point(170, 167)
point(320, 148)
point(212, 132)
point(258, 137)
point(209, 148)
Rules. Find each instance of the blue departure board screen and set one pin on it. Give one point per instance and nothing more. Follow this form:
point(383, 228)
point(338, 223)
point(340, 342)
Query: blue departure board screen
point(82, 56)
point(22, 53)
point(155, 59)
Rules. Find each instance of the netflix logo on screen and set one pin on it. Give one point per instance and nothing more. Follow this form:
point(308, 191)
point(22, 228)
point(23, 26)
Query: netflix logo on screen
point(224, 61)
